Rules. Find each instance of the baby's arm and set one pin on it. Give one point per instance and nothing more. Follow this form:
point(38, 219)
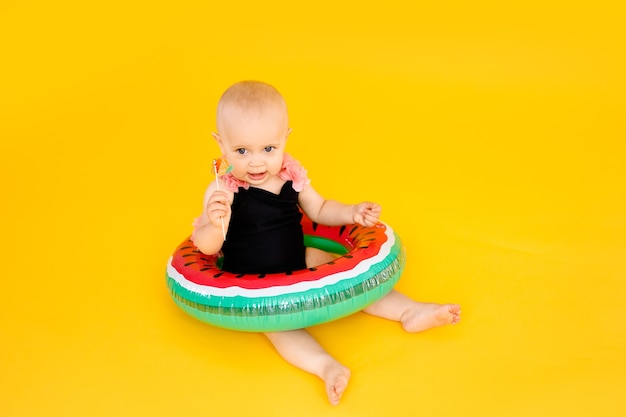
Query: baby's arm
point(335, 213)
point(208, 236)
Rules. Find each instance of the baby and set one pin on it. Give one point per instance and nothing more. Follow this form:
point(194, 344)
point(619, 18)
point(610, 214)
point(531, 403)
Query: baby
point(259, 201)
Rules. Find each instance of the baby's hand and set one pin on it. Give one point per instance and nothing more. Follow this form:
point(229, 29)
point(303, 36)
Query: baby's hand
point(218, 208)
point(366, 213)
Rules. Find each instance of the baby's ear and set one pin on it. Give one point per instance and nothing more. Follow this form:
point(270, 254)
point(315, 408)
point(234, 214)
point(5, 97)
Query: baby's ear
point(288, 132)
point(218, 140)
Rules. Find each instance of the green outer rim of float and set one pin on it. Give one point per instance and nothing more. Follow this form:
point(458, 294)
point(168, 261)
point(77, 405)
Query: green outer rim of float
point(295, 310)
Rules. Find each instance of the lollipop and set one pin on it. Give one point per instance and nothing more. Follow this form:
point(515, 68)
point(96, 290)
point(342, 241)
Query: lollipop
point(221, 167)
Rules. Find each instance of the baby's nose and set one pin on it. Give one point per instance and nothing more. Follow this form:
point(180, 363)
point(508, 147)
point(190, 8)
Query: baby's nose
point(257, 160)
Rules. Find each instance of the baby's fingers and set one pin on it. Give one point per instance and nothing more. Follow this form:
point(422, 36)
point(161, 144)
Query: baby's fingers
point(369, 221)
point(217, 209)
point(371, 214)
point(218, 196)
point(372, 209)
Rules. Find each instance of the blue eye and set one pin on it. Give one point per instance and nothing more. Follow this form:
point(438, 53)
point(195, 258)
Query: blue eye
point(241, 151)
point(269, 149)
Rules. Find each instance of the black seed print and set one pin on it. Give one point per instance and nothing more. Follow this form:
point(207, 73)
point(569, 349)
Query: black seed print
point(219, 274)
point(341, 230)
point(190, 263)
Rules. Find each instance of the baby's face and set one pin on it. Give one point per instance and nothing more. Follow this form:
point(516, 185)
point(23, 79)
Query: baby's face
point(254, 145)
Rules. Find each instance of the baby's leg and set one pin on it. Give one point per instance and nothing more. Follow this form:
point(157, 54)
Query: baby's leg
point(300, 349)
point(414, 316)
point(315, 257)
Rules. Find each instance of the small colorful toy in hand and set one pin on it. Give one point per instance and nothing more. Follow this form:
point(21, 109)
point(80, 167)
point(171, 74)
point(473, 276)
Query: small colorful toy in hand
point(221, 167)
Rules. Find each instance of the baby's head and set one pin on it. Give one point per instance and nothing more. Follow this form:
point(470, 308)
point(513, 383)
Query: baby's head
point(249, 100)
point(252, 127)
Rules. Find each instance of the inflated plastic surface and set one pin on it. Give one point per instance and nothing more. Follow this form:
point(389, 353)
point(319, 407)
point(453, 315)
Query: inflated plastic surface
point(370, 262)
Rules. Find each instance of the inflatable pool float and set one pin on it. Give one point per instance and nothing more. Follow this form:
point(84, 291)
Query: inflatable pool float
point(369, 263)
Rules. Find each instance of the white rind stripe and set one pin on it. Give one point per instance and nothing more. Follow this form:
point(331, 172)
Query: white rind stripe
point(278, 290)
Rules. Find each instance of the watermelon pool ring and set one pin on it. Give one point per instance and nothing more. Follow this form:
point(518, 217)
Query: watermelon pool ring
point(370, 262)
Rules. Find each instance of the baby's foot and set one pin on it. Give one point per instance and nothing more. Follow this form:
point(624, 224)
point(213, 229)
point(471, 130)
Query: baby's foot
point(336, 379)
point(424, 316)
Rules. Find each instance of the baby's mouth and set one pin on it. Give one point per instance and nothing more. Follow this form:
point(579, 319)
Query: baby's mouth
point(257, 176)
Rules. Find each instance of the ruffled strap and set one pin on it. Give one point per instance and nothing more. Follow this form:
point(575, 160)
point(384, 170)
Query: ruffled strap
point(233, 183)
point(294, 171)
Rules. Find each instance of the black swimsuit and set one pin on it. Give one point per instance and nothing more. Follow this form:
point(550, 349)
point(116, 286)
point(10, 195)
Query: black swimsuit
point(265, 235)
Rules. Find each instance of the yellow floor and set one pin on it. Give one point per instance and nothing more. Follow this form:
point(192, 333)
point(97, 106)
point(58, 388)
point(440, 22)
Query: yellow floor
point(501, 132)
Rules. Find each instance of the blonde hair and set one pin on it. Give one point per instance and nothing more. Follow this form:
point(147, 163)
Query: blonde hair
point(247, 97)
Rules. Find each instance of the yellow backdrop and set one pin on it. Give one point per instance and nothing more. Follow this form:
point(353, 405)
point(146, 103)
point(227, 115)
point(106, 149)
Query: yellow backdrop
point(492, 135)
